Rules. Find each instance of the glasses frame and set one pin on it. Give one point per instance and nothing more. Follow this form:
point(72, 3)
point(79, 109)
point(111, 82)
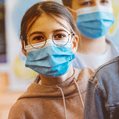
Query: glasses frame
point(71, 33)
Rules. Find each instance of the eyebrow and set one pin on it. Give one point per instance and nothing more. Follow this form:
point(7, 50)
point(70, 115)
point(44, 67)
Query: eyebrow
point(39, 32)
point(80, 1)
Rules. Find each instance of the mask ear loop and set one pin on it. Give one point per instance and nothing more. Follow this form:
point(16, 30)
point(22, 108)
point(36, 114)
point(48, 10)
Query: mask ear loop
point(23, 47)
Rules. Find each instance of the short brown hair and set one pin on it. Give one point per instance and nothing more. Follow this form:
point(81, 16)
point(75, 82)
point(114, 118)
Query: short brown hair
point(67, 3)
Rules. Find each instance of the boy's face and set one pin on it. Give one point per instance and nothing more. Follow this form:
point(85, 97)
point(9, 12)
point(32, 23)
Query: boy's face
point(77, 4)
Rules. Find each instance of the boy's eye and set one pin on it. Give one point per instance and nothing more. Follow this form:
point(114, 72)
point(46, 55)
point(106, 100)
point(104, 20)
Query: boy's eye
point(86, 3)
point(104, 1)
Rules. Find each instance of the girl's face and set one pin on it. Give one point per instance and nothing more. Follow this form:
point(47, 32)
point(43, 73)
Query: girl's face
point(45, 27)
point(77, 4)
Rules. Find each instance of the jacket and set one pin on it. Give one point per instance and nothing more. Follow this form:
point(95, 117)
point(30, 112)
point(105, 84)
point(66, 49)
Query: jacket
point(102, 99)
point(63, 101)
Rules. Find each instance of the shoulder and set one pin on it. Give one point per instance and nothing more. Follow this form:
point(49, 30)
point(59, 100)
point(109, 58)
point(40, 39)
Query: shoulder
point(17, 110)
point(106, 74)
point(109, 67)
point(113, 46)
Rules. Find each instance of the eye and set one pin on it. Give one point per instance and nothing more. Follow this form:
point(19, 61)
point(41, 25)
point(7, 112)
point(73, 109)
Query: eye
point(86, 3)
point(60, 36)
point(104, 1)
point(37, 39)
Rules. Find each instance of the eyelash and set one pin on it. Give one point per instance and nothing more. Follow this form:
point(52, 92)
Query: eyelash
point(104, 1)
point(87, 3)
point(37, 37)
point(90, 3)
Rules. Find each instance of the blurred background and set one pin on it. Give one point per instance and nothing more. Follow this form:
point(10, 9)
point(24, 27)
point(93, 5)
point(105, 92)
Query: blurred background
point(14, 76)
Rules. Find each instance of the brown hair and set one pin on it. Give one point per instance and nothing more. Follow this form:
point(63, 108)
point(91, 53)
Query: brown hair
point(49, 7)
point(67, 3)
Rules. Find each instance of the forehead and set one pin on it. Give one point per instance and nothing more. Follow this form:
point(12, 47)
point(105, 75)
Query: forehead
point(46, 23)
point(76, 4)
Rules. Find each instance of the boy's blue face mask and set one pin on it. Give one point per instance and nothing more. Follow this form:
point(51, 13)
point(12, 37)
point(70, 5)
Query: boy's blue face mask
point(51, 60)
point(94, 22)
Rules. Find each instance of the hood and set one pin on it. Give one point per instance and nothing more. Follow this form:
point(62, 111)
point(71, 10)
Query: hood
point(75, 86)
point(37, 90)
point(67, 88)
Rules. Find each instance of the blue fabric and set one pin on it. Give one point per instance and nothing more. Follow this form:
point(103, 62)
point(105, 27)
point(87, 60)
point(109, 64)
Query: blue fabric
point(51, 60)
point(95, 25)
point(102, 97)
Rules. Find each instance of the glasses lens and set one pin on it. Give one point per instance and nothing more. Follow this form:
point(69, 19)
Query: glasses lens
point(61, 38)
point(37, 40)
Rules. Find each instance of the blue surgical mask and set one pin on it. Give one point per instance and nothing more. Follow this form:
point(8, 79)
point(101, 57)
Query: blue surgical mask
point(94, 22)
point(51, 60)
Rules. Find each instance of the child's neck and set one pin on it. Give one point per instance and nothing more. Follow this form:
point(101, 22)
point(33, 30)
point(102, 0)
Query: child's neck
point(94, 46)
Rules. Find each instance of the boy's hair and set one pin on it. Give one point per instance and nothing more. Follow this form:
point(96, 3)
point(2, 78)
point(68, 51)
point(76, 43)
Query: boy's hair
point(67, 3)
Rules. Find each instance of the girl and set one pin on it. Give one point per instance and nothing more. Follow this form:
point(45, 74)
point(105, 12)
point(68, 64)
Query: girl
point(49, 40)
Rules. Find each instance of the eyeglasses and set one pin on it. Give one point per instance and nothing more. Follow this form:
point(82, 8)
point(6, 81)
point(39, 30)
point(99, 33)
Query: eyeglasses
point(59, 38)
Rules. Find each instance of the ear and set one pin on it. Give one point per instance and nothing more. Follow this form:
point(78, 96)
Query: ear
point(23, 48)
point(73, 12)
point(75, 43)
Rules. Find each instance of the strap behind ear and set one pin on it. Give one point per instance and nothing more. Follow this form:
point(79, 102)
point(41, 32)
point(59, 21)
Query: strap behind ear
point(23, 48)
